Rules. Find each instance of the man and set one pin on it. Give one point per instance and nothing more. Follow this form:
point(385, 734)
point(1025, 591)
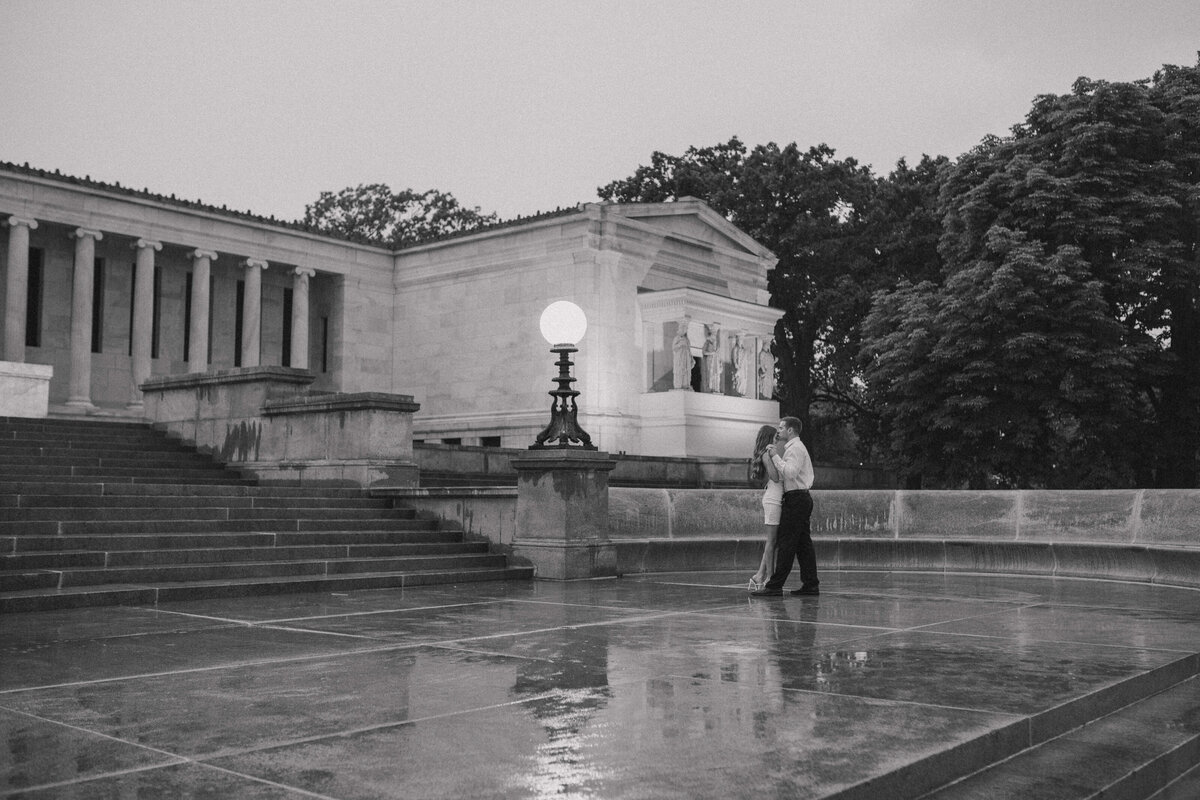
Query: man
point(795, 535)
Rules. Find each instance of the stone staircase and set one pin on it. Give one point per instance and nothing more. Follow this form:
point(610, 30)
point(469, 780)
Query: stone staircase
point(115, 513)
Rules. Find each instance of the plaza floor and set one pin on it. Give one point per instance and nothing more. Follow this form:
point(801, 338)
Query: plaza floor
point(663, 686)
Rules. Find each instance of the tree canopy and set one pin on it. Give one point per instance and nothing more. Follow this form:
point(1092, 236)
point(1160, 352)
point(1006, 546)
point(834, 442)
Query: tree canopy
point(374, 213)
point(1061, 344)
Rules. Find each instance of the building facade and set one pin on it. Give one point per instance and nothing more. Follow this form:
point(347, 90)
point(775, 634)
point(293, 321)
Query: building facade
point(111, 286)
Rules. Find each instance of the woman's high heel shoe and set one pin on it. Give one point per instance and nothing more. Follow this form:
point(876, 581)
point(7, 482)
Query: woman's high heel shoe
point(754, 585)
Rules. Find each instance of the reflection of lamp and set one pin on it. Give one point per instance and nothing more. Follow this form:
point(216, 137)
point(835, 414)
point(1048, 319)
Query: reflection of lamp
point(563, 324)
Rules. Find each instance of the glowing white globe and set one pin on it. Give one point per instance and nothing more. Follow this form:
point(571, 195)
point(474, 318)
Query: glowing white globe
point(563, 322)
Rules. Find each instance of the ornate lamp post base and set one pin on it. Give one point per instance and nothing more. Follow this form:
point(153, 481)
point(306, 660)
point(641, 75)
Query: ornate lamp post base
point(564, 413)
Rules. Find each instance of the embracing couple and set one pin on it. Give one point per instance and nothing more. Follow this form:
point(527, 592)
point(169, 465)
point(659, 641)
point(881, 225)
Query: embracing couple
point(781, 459)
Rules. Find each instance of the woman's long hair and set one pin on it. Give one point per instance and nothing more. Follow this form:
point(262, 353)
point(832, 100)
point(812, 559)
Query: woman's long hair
point(766, 435)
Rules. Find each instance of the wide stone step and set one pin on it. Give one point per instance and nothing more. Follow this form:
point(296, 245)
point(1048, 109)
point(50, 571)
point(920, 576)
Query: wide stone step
point(78, 597)
point(74, 447)
point(60, 501)
point(76, 559)
point(178, 573)
point(274, 524)
point(238, 487)
point(167, 474)
point(223, 511)
point(1133, 752)
point(96, 513)
point(425, 533)
point(93, 425)
point(147, 461)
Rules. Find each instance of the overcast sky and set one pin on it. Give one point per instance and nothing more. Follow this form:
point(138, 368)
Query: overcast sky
point(525, 106)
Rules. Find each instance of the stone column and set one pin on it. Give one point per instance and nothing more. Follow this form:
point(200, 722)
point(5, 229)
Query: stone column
point(300, 317)
point(17, 287)
point(143, 322)
point(198, 333)
point(562, 513)
point(79, 392)
point(252, 312)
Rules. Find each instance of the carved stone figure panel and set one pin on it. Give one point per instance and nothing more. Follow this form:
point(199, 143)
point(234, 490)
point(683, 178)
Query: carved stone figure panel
point(681, 349)
point(738, 357)
point(766, 372)
point(712, 359)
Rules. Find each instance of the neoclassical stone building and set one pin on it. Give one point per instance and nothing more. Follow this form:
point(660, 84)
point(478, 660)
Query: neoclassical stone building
point(111, 286)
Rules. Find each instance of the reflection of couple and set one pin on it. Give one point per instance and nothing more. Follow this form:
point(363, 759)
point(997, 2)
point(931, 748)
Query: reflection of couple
point(787, 510)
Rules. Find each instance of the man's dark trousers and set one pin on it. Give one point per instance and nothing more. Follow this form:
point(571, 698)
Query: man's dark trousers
point(795, 541)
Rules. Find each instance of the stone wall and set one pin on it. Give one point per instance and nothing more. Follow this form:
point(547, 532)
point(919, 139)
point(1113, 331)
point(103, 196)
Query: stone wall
point(1140, 535)
point(1144, 534)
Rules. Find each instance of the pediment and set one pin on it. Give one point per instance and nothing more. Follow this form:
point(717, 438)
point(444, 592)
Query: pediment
point(694, 221)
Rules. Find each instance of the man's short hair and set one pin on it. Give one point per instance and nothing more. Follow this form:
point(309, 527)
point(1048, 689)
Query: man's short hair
point(794, 423)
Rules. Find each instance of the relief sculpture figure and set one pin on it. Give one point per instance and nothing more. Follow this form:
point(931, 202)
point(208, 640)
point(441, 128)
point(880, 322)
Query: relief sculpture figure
point(741, 367)
point(681, 349)
point(766, 372)
point(712, 359)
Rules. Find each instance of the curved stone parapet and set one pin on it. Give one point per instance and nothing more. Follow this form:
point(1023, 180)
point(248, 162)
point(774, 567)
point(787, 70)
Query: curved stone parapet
point(1137, 535)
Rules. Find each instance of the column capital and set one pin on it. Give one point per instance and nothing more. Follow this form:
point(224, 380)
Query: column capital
point(144, 243)
point(209, 254)
point(28, 223)
point(255, 262)
point(80, 233)
point(306, 272)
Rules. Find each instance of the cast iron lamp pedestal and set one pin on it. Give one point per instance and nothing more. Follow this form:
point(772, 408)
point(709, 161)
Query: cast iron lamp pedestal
point(564, 412)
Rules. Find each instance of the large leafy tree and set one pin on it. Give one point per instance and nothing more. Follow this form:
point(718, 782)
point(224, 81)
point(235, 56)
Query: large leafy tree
point(807, 206)
point(1088, 214)
point(374, 213)
point(1011, 373)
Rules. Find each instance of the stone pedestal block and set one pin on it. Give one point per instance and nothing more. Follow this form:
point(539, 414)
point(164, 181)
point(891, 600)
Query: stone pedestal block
point(24, 389)
point(562, 513)
point(260, 419)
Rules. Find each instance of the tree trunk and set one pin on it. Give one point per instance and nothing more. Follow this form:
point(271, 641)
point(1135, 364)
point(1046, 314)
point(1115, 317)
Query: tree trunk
point(794, 345)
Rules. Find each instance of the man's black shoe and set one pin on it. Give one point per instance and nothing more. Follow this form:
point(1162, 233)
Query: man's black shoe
point(806, 591)
point(767, 593)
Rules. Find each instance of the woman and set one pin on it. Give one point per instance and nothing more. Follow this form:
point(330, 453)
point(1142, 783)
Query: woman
point(763, 469)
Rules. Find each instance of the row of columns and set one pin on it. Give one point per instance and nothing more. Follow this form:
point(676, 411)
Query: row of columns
point(80, 379)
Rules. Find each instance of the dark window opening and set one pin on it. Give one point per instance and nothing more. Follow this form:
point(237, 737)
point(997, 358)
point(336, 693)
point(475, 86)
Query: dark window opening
point(33, 299)
point(187, 318)
point(212, 285)
point(489, 441)
point(237, 324)
point(452, 440)
point(324, 344)
point(132, 303)
point(156, 312)
point(286, 358)
point(97, 305)
point(697, 373)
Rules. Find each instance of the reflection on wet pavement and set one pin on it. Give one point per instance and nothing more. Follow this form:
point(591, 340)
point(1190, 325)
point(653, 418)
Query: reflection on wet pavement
point(659, 686)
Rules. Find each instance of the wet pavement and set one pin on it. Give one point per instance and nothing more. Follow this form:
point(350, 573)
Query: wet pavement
point(665, 686)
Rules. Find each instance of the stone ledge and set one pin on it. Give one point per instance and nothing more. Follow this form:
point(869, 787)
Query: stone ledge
point(226, 376)
point(338, 403)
